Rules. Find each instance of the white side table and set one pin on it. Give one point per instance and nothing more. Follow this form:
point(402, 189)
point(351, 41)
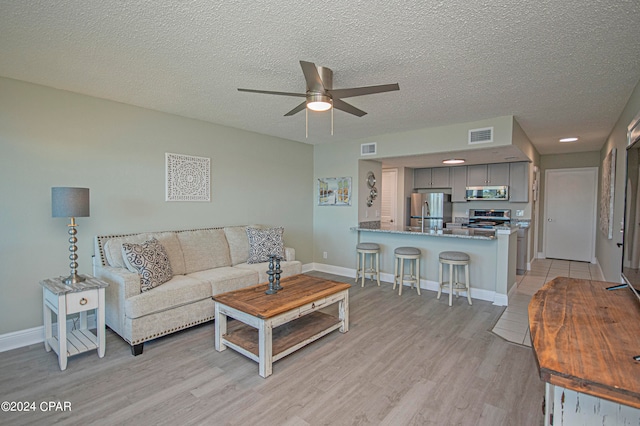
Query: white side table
point(65, 299)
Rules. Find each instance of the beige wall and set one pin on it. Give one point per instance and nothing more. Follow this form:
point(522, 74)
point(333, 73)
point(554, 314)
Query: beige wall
point(51, 138)
point(608, 253)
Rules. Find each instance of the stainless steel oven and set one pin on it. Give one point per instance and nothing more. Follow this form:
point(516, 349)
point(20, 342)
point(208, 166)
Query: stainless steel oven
point(489, 219)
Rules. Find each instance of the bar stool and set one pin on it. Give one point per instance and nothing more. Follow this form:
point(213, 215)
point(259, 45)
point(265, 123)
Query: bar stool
point(455, 259)
point(411, 254)
point(373, 250)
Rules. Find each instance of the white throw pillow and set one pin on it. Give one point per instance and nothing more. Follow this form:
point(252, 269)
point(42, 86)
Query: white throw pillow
point(265, 242)
point(150, 261)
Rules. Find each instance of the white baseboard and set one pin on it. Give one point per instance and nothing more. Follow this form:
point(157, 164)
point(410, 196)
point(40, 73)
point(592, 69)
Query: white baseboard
point(21, 338)
point(476, 293)
point(337, 270)
point(32, 336)
point(601, 274)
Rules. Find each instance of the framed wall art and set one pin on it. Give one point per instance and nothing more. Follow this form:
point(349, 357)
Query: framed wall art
point(334, 191)
point(188, 178)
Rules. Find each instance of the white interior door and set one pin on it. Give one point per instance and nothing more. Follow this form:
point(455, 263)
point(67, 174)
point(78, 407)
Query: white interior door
point(389, 189)
point(570, 203)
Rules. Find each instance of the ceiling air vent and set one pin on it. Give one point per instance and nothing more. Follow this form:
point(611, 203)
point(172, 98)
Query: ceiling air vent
point(481, 135)
point(368, 148)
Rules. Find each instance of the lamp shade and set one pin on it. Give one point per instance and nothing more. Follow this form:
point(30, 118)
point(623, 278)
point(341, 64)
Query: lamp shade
point(69, 202)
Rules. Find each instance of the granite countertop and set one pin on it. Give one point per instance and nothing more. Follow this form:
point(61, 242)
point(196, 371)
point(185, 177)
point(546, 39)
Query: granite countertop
point(466, 233)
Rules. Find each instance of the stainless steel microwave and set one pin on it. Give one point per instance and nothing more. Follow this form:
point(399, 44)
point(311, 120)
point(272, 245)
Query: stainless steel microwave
point(495, 193)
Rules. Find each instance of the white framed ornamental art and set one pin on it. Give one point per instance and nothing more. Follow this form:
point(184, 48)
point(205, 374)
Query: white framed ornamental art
point(188, 178)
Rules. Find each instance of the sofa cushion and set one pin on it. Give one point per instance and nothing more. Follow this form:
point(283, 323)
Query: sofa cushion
point(169, 240)
point(180, 290)
point(150, 261)
point(288, 268)
point(226, 278)
point(264, 242)
point(238, 243)
point(204, 249)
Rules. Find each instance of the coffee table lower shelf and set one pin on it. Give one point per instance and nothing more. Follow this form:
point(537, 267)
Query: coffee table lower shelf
point(269, 327)
point(286, 339)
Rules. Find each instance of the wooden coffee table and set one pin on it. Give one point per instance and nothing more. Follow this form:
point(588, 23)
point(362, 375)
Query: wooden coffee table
point(273, 326)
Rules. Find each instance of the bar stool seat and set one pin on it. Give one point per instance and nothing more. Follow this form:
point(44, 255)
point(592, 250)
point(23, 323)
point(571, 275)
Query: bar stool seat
point(411, 254)
point(373, 250)
point(455, 260)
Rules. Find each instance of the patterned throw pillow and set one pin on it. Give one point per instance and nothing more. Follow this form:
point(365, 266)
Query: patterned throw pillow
point(150, 261)
point(263, 243)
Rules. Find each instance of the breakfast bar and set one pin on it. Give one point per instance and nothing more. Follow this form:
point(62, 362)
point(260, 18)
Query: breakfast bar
point(492, 253)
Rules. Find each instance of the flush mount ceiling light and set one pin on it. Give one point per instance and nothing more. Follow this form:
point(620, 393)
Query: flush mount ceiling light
point(318, 102)
point(453, 161)
point(568, 140)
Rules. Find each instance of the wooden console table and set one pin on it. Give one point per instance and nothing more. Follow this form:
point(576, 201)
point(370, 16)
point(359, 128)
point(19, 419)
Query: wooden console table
point(584, 338)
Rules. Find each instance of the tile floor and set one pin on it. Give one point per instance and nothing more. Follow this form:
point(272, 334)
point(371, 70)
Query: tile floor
point(513, 325)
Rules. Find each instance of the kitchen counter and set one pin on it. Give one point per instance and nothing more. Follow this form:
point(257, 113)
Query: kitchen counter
point(492, 252)
point(457, 232)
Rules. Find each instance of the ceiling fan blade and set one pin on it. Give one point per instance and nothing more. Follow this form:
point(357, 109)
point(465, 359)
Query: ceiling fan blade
point(311, 75)
point(343, 106)
point(268, 92)
point(359, 91)
point(297, 109)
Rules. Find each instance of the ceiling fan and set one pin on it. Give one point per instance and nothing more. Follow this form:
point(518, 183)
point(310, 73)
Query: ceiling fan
point(320, 94)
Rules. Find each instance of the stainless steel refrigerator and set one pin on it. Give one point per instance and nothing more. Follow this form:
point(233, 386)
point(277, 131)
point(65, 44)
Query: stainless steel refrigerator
point(430, 210)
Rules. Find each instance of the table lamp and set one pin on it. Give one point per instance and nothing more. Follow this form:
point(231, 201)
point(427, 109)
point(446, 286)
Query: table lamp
point(71, 203)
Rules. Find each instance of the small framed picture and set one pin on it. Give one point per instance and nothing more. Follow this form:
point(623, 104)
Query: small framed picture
point(334, 191)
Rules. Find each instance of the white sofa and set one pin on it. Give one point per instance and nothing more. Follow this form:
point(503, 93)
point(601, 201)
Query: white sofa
point(204, 262)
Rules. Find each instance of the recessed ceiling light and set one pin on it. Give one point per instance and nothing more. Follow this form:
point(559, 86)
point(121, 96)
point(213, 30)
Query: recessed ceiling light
point(453, 161)
point(568, 139)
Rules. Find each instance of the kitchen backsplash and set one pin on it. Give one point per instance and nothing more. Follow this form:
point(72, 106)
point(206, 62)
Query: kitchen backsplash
point(371, 224)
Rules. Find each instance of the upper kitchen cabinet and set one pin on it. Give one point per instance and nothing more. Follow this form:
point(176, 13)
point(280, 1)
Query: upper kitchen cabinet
point(459, 184)
point(488, 174)
point(519, 182)
point(437, 177)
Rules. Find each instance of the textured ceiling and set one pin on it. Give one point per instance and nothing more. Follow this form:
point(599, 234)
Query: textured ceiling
point(560, 67)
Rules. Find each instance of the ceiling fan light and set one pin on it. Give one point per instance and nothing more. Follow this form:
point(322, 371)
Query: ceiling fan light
point(453, 161)
point(318, 102)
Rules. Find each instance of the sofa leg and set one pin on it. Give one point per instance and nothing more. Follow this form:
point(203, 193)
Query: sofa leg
point(137, 349)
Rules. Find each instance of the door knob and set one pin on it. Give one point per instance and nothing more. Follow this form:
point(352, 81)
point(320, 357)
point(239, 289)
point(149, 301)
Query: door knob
point(549, 220)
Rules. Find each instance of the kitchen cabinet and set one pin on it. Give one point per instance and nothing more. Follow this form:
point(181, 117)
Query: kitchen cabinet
point(488, 174)
point(437, 177)
point(519, 182)
point(458, 184)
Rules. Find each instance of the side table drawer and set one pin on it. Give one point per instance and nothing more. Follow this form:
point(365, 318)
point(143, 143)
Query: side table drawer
point(82, 301)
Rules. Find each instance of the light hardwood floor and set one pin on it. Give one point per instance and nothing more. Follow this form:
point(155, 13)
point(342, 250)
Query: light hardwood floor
point(407, 360)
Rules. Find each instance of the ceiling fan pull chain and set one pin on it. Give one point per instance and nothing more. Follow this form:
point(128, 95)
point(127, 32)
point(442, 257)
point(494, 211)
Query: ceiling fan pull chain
point(306, 123)
point(331, 117)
